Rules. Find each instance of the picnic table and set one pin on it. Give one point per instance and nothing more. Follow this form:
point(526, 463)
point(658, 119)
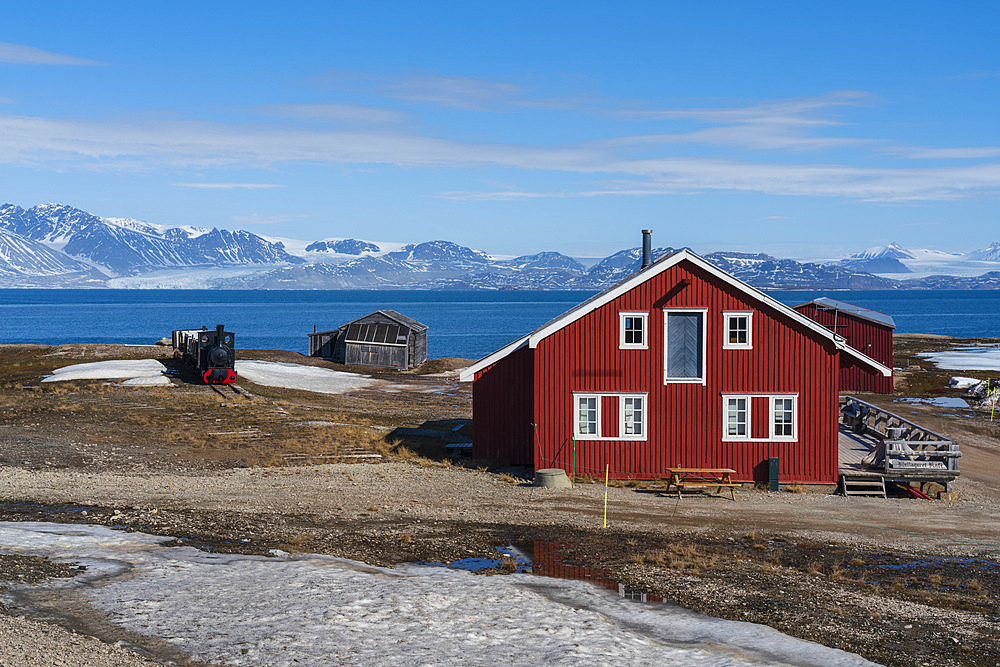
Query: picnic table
point(700, 478)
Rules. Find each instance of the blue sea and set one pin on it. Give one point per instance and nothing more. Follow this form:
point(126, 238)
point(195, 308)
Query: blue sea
point(462, 324)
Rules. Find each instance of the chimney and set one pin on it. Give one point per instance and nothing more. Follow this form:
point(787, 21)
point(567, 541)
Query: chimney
point(647, 248)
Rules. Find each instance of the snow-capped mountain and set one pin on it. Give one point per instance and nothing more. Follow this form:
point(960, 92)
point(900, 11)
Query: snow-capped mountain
point(25, 262)
point(761, 270)
point(54, 245)
point(343, 247)
point(438, 251)
point(124, 246)
point(894, 259)
point(891, 251)
point(613, 268)
point(990, 254)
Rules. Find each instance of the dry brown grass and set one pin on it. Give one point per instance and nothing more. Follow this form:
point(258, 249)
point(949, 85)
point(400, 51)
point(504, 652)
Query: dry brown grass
point(796, 488)
point(681, 557)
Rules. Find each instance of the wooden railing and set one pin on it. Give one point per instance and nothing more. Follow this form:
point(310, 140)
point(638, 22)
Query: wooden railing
point(904, 446)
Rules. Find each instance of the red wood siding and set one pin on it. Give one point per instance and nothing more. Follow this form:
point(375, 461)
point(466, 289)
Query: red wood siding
point(609, 416)
point(502, 404)
point(684, 421)
point(863, 335)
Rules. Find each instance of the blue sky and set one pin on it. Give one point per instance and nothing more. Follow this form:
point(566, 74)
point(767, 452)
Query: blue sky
point(803, 129)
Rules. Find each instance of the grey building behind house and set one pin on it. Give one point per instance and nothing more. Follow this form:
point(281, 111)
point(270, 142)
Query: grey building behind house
point(385, 339)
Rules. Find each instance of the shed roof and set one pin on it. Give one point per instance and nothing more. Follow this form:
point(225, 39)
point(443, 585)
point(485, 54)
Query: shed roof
point(402, 319)
point(667, 261)
point(408, 322)
point(851, 309)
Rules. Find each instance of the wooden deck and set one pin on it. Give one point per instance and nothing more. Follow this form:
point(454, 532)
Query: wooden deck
point(914, 450)
point(853, 448)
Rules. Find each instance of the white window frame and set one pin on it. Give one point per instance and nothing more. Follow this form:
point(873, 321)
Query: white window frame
point(726, 437)
point(622, 345)
point(704, 346)
point(599, 395)
point(576, 417)
point(771, 437)
point(773, 399)
point(621, 416)
point(730, 314)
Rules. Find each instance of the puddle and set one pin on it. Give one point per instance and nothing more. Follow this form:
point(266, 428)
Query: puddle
point(545, 563)
point(971, 563)
point(939, 401)
point(522, 563)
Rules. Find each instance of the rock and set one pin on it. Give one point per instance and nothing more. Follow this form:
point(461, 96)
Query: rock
point(165, 342)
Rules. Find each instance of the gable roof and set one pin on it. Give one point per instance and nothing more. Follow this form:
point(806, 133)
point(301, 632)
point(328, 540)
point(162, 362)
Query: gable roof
point(403, 319)
point(659, 266)
point(408, 322)
point(852, 309)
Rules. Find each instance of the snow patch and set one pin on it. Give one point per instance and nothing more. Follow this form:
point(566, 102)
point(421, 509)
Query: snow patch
point(969, 359)
point(120, 369)
point(298, 376)
point(959, 382)
point(313, 609)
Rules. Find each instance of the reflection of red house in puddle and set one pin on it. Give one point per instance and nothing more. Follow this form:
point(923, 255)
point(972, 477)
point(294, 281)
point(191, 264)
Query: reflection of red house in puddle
point(548, 564)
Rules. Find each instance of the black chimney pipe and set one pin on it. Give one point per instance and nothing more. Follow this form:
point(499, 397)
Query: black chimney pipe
point(647, 248)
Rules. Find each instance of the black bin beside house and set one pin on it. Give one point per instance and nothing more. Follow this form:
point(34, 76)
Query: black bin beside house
point(385, 338)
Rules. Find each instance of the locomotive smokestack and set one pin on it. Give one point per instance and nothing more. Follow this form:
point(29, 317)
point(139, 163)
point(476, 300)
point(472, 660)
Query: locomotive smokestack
point(219, 329)
point(647, 248)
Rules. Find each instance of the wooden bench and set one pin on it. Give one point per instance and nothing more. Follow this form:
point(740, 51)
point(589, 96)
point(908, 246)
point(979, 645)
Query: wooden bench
point(701, 478)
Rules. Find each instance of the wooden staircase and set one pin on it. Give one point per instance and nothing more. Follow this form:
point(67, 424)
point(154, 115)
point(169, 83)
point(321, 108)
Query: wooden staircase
point(862, 486)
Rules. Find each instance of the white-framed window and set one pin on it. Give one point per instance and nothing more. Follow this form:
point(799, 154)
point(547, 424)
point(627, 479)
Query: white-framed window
point(587, 417)
point(736, 418)
point(737, 330)
point(632, 330)
point(684, 345)
point(632, 417)
point(784, 417)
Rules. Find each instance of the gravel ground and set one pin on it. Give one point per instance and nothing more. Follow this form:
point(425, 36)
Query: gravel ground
point(30, 643)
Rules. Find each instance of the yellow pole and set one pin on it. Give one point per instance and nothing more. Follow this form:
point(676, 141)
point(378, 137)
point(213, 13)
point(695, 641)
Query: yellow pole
point(606, 466)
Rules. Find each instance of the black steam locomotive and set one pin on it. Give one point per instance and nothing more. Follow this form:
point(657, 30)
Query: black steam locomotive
point(211, 353)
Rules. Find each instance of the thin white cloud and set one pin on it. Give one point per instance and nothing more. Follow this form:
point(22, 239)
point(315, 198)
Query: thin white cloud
point(974, 153)
point(461, 92)
point(626, 166)
point(19, 54)
point(229, 186)
point(790, 111)
point(336, 112)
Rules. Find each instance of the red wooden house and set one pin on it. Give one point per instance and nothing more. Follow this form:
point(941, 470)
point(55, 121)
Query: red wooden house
point(679, 365)
point(866, 330)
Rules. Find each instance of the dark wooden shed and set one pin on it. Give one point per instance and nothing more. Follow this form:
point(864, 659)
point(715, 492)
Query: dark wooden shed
point(385, 338)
